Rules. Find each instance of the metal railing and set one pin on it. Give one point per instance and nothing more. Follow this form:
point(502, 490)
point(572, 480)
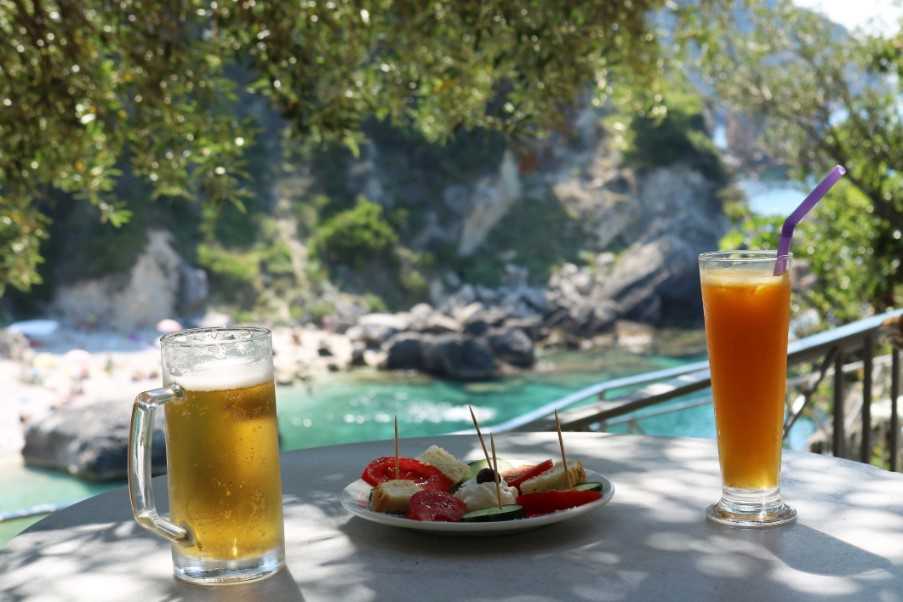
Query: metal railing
point(834, 351)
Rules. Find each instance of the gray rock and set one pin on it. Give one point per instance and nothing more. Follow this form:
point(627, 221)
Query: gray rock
point(515, 276)
point(90, 442)
point(355, 334)
point(479, 323)
point(532, 326)
point(671, 216)
point(487, 295)
point(404, 352)
point(535, 298)
point(651, 276)
point(459, 357)
point(347, 313)
point(358, 354)
point(463, 313)
point(561, 338)
point(421, 311)
point(634, 336)
point(437, 323)
point(376, 329)
point(193, 289)
point(491, 198)
point(437, 291)
point(582, 281)
point(141, 297)
point(13, 345)
point(604, 262)
point(512, 346)
point(452, 280)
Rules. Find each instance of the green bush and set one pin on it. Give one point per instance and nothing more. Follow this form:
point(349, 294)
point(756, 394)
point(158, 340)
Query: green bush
point(355, 236)
point(676, 135)
point(241, 267)
point(277, 258)
point(319, 310)
point(374, 303)
point(414, 283)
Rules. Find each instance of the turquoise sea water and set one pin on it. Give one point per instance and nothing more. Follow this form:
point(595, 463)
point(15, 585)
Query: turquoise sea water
point(359, 406)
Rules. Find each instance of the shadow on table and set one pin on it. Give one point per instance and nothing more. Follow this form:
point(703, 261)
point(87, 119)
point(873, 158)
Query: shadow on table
point(280, 586)
point(819, 556)
point(669, 538)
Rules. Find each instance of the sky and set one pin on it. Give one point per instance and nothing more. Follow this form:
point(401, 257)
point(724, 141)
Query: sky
point(874, 16)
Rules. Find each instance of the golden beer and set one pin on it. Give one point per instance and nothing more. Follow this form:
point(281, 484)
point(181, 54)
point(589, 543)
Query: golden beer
point(222, 452)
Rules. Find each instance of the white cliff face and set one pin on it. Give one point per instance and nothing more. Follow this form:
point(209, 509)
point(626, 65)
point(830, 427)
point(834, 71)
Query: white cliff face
point(146, 294)
point(494, 196)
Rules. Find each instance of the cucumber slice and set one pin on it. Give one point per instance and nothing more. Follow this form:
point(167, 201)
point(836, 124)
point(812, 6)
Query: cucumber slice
point(506, 512)
point(478, 465)
point(589, 486)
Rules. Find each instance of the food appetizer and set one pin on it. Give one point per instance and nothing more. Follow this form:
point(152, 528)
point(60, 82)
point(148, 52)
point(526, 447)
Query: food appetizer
point(437, 486)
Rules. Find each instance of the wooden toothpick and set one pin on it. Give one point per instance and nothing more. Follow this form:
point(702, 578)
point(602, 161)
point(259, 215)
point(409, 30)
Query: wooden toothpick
point(476, 425)
point(564, 461)
point(495, 468)
point(397, 461)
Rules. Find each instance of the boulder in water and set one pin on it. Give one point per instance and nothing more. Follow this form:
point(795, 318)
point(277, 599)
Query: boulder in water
point(512, 346)
point(459, 357)
point(479, 323)
point(404, 352)
point(89, 442)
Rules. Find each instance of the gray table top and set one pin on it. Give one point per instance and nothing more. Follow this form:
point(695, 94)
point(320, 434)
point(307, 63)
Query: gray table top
point(651, 543)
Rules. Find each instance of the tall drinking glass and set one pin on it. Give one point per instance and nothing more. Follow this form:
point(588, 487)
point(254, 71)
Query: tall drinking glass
point(222, 455)
point(747, 314)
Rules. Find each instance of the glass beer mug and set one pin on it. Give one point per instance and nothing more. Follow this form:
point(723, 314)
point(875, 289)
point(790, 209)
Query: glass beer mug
point(222, 455)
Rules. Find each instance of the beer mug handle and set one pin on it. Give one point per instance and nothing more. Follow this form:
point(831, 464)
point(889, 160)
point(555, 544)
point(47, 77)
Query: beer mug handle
point(141, 489)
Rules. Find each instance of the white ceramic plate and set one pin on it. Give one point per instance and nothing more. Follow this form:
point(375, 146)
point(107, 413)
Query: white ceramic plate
point(355, 499)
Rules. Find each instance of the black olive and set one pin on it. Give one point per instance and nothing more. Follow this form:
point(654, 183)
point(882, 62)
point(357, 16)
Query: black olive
point(486, 475)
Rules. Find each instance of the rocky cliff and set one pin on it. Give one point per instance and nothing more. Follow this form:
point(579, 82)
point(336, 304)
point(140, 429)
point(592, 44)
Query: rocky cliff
point(563, 228)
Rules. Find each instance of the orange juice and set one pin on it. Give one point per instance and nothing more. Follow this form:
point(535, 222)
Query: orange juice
point(747, 313)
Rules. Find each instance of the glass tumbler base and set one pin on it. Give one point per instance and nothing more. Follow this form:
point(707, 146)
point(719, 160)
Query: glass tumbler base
point(206, 571)
point(751, 509)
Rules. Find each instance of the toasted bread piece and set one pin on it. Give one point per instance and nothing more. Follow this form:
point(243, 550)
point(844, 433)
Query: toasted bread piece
point(393, 496)
point(450, 466)
point(554, 478)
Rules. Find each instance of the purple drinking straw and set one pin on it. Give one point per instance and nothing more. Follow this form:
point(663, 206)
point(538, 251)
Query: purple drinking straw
point(780, 265)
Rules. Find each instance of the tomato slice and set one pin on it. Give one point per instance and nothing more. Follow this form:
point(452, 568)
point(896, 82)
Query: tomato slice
point(544, 502)
point(515, 477)
point(428, 477)
point(436, 505)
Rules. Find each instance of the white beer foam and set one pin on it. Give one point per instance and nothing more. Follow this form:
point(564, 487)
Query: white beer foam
point(225, 374)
